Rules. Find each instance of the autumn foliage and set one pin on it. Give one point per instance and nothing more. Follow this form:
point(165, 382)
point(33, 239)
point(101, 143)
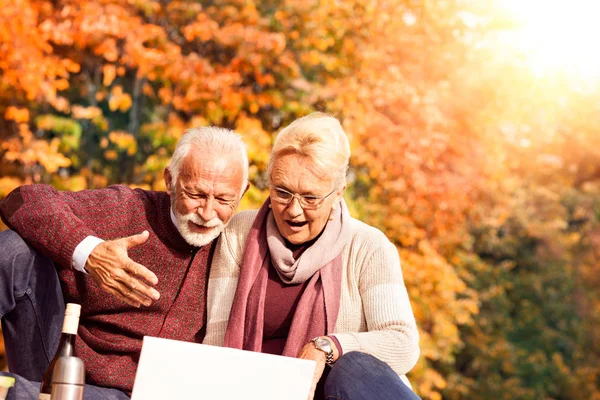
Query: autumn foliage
point(485, 176)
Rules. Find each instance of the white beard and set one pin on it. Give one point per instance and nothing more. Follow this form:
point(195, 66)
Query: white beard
point(194, 238)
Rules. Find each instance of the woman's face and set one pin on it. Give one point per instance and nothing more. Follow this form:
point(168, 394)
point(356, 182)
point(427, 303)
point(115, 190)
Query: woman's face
point(291, 172)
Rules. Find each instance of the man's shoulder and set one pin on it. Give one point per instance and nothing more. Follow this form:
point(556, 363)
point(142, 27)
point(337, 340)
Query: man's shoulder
point(124, 192)
point(128, 208)
point(148, 194)
point(132, 190)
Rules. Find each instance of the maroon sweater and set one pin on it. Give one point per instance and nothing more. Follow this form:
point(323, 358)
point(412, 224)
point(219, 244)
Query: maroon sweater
point(110, 331)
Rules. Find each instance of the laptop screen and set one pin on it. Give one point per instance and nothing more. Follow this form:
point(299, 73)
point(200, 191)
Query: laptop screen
point(170, 369)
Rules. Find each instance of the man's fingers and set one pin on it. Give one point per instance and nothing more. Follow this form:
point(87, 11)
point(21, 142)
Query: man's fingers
point(133, 294)
point(112, 269)
point(135, 240)
point(142, 289)
point(127, 285)
point(136, 269)
point(124, 293)
point(124, 298)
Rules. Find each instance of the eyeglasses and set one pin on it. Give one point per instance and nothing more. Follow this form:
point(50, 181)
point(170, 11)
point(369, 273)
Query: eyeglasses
point(307, 202)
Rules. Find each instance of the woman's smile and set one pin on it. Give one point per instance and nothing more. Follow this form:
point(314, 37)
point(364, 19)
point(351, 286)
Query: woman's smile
point(296, 225)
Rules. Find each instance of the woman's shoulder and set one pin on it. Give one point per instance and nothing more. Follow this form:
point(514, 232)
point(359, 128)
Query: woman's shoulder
point(369, 248)
point(242, 220)
point(236, 230)
point(362, 232)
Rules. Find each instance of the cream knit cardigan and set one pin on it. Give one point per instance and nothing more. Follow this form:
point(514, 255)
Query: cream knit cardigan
point(375, 315)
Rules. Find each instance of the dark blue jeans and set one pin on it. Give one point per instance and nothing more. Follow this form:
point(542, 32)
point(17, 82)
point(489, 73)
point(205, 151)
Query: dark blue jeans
point(25, 389)
point(32, 308)
point(360, 376)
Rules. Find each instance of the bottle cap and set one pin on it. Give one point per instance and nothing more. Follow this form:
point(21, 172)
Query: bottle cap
point(73, 309)
point(7, 381)
point(69, 370)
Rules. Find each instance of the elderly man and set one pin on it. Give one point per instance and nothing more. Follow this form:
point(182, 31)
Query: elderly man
point(149, 250)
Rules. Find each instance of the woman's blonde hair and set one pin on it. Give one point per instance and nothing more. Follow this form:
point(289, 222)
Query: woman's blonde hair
point(321, 139)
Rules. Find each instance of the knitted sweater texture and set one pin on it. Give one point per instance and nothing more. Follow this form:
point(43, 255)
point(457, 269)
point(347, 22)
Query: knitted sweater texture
point(110, 331)
point(375, 314)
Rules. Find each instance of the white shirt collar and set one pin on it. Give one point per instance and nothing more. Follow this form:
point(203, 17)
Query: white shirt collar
point(173, 218)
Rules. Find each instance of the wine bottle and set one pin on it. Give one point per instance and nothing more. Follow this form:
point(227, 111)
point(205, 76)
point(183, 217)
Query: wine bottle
point(68, 379)
point(65, 347)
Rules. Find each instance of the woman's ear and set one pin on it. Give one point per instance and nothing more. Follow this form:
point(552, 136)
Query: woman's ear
point(340, 194)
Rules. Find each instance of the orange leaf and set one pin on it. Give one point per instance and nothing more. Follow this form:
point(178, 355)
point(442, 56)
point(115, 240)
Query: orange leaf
point(17, 114)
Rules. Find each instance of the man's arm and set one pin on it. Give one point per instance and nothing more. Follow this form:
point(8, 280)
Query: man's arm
point(42, 216)
point(55, 224)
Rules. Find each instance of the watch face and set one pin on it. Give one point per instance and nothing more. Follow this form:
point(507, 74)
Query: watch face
point(323, 344)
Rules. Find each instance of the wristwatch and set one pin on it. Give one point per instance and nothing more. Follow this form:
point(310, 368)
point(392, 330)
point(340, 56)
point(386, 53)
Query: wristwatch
point(325, 346)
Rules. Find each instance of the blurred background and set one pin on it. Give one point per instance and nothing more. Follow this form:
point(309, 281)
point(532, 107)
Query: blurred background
point(475, 129)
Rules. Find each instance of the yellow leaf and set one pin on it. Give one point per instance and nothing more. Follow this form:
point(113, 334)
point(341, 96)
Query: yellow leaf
point(123, 141)
point(125, 103)
point(109, 72)
point(110, 155)
point(80, 112)
point(113, 103)
point(119, 100)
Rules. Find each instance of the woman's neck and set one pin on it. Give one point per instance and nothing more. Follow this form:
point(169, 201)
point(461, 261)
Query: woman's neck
point(298, 249)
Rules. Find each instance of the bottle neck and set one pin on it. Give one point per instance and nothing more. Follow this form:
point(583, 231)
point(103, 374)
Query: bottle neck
point(69, 332)
point(70, 324)
point(66, 346)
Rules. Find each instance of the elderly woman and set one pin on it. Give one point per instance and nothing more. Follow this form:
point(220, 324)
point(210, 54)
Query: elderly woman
point(302, 278)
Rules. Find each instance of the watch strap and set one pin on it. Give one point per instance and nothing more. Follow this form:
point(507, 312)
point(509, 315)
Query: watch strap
point(328, 354)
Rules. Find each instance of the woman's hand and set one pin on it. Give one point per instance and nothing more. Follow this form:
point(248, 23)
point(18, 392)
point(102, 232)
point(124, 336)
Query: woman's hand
point(310, 352)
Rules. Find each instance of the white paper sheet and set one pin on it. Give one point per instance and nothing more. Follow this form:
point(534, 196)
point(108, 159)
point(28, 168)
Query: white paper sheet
point(170, 369)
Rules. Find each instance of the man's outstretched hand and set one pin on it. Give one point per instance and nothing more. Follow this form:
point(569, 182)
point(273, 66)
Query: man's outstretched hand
point(111, 268)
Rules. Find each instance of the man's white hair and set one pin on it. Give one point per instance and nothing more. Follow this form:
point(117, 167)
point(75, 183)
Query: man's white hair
point(210, 139)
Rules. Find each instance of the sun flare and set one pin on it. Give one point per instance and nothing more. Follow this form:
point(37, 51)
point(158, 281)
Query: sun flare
point(558, 36)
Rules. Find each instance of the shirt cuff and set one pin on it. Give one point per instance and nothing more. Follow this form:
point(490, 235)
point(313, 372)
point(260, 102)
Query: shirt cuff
point(337, 344)
point(83, 251)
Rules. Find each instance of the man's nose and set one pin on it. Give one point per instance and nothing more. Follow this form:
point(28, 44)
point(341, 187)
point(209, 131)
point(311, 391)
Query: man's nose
point(207, 210)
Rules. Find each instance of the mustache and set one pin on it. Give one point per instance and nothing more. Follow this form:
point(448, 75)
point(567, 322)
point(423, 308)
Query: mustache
point(198, 220)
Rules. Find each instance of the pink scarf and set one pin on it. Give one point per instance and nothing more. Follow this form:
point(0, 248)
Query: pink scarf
point(320, 264)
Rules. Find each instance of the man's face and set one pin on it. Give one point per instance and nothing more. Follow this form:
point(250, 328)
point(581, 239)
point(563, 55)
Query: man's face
point(205, 195)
